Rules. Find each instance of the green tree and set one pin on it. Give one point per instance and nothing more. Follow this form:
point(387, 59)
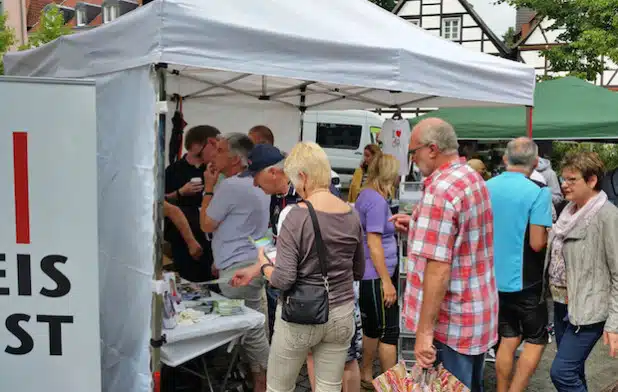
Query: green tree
point(590, 33)
point(509, 37)
point(607, 152)
point(7, 39)
point(386, 4)
point(51, 26)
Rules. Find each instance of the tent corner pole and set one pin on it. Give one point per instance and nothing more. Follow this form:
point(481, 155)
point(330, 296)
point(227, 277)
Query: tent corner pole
point(529, 110)
point(157, 339)
point(303, 108)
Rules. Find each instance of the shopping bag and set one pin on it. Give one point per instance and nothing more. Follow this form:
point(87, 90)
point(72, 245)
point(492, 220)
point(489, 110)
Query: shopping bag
point(398, 379)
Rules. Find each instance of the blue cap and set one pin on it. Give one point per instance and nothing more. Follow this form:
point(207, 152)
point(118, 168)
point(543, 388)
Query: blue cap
point(261, 157)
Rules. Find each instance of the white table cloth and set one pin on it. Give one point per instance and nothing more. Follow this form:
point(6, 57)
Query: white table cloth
point(185, 343)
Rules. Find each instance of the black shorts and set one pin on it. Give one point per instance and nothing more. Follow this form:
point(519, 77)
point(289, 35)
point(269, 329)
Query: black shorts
point(379, 322)
point(523, 314)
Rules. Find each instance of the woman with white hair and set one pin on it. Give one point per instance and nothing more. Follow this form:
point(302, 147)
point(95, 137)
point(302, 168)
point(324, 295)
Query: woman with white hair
point(322, 231)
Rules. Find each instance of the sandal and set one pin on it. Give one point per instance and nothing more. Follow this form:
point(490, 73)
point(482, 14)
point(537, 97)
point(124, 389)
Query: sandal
point(367, 385)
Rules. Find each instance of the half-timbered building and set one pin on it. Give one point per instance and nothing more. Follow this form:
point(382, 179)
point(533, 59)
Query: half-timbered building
point(534, 34)
point(455, 20)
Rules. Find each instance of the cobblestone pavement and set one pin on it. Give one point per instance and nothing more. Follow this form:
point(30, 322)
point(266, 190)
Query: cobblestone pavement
point(601, 371)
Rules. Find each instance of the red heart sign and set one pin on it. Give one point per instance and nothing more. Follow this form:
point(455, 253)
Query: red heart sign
point(398, 133)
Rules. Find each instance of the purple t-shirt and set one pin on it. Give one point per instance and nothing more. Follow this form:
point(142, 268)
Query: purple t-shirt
point(374, 213)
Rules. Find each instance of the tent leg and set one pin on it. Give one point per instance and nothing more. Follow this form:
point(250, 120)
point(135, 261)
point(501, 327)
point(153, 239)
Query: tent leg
point(157, 300)
point(303, 108)
point(529, 121)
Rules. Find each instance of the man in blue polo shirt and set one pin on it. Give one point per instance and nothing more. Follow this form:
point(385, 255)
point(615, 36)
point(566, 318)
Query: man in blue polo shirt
point(522, 214)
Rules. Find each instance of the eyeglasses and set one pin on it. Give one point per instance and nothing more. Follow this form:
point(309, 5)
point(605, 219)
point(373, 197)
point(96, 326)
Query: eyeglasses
point(412, 152)
point(570, 180)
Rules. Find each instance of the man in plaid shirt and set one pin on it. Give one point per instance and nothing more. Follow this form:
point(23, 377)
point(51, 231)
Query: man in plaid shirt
point(451, 300)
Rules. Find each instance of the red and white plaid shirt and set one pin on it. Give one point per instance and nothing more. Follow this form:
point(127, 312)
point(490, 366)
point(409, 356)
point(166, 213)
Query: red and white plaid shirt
point(453, 224)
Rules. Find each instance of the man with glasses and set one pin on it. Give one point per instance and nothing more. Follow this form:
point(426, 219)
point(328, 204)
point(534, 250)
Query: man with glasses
point(451, 301)
point(183, 188)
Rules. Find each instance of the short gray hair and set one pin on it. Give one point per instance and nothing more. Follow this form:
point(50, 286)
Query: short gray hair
point(239, 145)
point(522, 152)
point(442, 135)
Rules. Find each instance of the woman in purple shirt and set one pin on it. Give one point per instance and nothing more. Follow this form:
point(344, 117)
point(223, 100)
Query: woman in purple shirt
point(378, 289)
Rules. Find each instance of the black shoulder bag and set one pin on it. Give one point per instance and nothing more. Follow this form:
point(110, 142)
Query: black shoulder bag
point(308, 304)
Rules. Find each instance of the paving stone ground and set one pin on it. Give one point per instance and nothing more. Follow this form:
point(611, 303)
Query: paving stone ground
point(601, 371)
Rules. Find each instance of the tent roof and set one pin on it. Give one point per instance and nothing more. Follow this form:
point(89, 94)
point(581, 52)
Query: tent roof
point(352, 47)
point(566, 108)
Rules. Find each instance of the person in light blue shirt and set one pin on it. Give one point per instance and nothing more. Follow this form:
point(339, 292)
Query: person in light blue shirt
point(522, 210)
point(233, 212)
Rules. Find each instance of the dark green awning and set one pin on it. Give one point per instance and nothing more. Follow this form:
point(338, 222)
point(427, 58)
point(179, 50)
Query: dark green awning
point(565, 109)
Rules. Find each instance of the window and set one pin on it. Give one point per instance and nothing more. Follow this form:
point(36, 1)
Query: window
point(82, 18)
point(415, 22)
point(110, 12)
point(340, 136)
point(451, 28)
point(375, 134)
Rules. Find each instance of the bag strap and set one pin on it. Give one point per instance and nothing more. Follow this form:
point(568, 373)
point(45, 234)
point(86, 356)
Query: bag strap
point(319, 243)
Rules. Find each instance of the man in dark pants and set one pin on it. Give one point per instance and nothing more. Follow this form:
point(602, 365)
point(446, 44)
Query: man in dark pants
point(183, 188)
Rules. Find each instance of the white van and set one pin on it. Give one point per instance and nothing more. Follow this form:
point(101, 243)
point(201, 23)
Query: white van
point(343, 134)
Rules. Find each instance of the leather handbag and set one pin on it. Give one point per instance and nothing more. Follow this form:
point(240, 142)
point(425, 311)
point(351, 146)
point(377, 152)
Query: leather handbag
point(304, 303)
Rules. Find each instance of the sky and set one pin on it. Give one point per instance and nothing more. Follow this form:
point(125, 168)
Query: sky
point(498, 17)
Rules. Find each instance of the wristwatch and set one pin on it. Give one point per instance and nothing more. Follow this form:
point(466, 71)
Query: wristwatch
point(264, 266)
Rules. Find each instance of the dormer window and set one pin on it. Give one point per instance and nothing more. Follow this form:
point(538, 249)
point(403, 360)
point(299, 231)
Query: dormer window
point(110, 12)
point(81, 16)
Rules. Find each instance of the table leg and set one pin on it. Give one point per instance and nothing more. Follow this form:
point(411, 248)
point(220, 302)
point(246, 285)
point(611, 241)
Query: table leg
point(235, 353)
point(205, 365)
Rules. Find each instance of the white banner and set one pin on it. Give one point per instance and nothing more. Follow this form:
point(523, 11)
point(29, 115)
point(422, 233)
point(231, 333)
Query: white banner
point(49, 276)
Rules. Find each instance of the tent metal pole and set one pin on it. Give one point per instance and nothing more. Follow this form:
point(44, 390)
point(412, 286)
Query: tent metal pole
point(303, 108)
point(529, 121)
point(157, 301)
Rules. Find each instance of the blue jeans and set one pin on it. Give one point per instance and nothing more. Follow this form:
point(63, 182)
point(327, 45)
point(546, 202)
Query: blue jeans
point(272, 295)
point(574, 345)
point(469, 369)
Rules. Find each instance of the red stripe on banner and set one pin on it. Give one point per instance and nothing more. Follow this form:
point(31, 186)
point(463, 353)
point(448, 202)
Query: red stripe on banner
point(22, 204)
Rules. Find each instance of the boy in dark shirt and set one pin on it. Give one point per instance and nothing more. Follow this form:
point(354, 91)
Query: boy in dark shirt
point(183, 188)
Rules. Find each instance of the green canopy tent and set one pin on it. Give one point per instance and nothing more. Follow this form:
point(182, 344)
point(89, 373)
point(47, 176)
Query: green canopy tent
point(565, 109)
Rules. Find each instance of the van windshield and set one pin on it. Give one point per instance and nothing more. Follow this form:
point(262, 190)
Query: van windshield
point(340, 136)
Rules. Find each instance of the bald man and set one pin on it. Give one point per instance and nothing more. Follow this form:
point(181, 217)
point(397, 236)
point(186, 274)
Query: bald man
point(522, 215)
point(451, 301)
point(479, 167)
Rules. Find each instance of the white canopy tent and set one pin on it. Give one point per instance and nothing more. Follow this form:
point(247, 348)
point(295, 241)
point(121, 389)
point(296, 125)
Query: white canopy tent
point(259, 55)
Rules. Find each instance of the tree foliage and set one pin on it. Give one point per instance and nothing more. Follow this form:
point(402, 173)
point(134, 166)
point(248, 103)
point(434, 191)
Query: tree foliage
point(590, 34)
point(386, 4)
point(7, 39)
point(51, 26)
point(509, 37)
point(607, 152)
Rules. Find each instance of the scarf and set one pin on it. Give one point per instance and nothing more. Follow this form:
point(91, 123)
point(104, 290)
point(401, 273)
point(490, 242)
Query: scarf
point(566, 222)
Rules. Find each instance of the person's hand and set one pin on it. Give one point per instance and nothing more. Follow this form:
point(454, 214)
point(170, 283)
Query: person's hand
point(211, 175)
point(390, 293)
point(190, 189)
point(244, 276)
point(215, 271)
point(401, 222)
point(195, 250)
point(611, 339)
point(424, 350)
